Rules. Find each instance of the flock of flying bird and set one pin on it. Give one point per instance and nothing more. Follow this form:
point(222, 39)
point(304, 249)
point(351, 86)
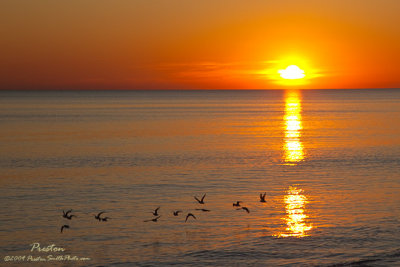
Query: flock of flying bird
point(69, 216)
point(98, 217)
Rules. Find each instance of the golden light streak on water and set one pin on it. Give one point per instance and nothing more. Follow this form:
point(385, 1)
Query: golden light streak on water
point(293, 147)
point(295, 219)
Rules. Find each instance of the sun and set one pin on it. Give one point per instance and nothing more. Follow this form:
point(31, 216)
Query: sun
point(292, 72)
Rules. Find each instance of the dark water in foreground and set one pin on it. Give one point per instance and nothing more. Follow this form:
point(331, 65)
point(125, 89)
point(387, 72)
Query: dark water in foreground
point(328, 161)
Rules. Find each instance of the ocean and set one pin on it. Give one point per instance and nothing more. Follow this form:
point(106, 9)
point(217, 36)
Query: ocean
point(327, 161)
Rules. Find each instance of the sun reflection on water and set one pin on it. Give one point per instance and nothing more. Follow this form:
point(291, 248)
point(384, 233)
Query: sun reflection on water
point(293, 147)
point(296, 216)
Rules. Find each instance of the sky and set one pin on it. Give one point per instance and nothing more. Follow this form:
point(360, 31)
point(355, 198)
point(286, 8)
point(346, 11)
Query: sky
point(198, 44)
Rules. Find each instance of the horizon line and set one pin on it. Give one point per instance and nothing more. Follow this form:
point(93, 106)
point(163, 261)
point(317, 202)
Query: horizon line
point(192, 89)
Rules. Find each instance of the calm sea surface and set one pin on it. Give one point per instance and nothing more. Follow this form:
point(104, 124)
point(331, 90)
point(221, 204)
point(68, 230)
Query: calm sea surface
point(327, 160)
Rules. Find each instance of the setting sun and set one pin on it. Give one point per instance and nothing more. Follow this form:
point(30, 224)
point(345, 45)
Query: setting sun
point(292, 72)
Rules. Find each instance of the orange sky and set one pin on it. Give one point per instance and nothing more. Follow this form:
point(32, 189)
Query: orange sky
point(207, 44)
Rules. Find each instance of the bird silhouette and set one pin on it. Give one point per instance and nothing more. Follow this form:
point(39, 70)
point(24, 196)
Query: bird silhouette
point(244, 208)
point(97, 217)
point(203, 210)
point(64, 226)
point(262, 197)
point(189, 214)
point(65, 214)
point(153, 220)
point(176, 213)
point(155, 213)
point(202, 199)
point(237, 204)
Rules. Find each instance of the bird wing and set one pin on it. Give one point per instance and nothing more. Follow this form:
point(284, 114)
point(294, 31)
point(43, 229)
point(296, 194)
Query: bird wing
point(187, 216)
point(64, 226)
point(68, 211)
point(156, 209)
point(203, 197)
point(98, 215)
point(246, 209)
point(197, 199)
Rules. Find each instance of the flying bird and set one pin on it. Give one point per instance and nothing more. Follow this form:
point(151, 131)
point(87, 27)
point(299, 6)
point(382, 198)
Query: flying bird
point(65, 214)
point(203, 210)
point(202, 199)
point(97, 217)
point(64, 226)
point(153, 220)
point(237, 204)
point(189, 214)
point(155, 213)
point(262, 197)
point(244, 208)
point(176, 213)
